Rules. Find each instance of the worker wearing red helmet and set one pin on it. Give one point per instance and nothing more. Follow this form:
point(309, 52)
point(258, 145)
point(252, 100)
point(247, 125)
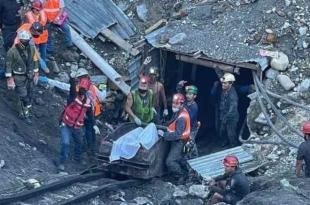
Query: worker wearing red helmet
point(178, 134)
point(72, 120)
point(140, 103)
point(303, 153)
point(230, 187)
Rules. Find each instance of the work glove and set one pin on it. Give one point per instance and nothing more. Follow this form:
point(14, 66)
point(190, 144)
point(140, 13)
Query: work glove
point(188, 147)
point(36, 78)
point(160, 133)
point(165, 113)
point(137, 120)
point(11, 83)
point(97, 130)
point(154, 110)
point(182, 82)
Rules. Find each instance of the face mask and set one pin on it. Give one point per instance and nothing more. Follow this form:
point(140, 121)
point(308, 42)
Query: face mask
point(24, 43)
point(174, 109)
point(82, 91)
point(35, 36)
point(142, 91)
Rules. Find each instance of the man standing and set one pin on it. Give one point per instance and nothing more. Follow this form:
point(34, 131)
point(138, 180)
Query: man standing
point(10, 20)
point(178, 135)
point(230, 187)
point(22, 71)
point(140, 103)
point(303, 153)
point(159, 94)
point(228, 111)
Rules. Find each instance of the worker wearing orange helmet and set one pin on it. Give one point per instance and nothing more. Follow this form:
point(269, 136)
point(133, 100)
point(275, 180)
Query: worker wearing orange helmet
point(178, 134)
point(140, 103)
point(230, 187)
point(303, 153)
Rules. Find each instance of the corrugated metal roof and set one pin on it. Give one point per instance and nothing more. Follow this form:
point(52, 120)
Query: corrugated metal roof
point(211, 165)
point(133, 68)
point(92, 16)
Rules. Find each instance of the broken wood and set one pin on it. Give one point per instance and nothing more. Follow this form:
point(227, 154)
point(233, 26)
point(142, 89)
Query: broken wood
point(119, 41)
point(158, 24)
point(99, 62)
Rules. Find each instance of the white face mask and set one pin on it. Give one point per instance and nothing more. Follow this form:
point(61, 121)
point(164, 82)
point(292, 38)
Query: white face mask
point(174, 109)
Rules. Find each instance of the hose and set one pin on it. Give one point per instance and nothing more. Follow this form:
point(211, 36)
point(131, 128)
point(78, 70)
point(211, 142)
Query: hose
point(278, 113)
point(268, 118)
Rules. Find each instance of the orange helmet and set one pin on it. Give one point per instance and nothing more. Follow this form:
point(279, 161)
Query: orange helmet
point(37, 5)
point(178, 98)
point(306, 127)
point(231, 161)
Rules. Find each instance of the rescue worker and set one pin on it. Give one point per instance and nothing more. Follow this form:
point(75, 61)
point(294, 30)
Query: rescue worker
point(72, 120)
point(37, 14)
point(22, 71)
point(228, 111)
point(97, 97)
point(178, 135)
point(303, 153)
point(57, 16)
point(159, 94)
point(140, 103)
point(9, 21)
point(230, 187)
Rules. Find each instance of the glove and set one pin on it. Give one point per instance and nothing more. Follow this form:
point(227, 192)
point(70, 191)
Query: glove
point(188, 146)
point(96, 128)
point(160, 133)
point(36, 78)
point(137, 120)
point(11, 83)
point(165, 113)
point(154, 110)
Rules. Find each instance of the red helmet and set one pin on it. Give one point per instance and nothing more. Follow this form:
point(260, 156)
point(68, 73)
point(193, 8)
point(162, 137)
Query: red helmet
point(306, 127)
point(178, 98)
point(143, 83)
point(37, 5)
point(231, 161)
point(84, 83)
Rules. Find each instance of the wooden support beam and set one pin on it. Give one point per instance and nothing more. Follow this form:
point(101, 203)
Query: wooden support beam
point(119, 41)
point(158, 24)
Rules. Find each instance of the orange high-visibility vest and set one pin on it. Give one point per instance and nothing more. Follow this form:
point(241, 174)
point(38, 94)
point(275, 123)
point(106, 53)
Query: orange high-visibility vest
point(41, 18)
point(51, 8)
point(186, 133)
point(97, 105)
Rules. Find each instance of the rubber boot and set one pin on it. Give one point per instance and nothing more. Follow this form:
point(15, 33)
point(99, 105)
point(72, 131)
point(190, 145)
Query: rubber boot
point(24, 112)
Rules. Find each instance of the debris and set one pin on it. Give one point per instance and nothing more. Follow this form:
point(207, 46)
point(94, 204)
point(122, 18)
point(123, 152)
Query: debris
point(272, 73)
point(178, 38)
point(158, 24)
point(2, 163)
point(303, 31)
point(32, 183)
point(199, 191)
point(261, 119)
point(179, 193)
point(304, 85)
point(39, 101)
point(142, 12)
point(143, 201)
point(285, 82)
point(280, 62)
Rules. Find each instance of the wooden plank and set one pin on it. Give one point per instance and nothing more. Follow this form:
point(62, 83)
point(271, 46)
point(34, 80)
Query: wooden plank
point(158, 24)
point(119, 41)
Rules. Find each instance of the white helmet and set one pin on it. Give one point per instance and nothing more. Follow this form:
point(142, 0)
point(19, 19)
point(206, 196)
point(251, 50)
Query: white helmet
point(24, 35)
point(228, 77)
point(81, 72)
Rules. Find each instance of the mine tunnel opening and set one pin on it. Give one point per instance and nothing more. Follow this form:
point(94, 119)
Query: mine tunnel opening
point(204, 78)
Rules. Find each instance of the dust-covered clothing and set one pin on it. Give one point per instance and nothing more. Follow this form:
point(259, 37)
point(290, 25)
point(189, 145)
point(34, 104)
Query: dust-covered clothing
point(304, 154)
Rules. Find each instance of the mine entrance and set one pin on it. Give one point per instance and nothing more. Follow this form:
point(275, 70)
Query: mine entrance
point(204, 78)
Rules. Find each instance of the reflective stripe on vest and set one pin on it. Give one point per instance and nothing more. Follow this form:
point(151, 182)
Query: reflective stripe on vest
point(144, 112)
point(186, 133)
point(51, 8)
point(96, 103)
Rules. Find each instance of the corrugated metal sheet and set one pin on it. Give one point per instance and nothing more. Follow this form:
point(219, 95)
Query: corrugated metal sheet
point(211, 165)
point(133, 68)
point(91, 16)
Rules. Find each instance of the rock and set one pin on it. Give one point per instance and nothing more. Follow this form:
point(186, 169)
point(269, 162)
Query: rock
point(178, 38)
point(280, 62)
point(179, 193)
point(39, 101)
point(304, 85)
point(68, 64)
point(285, 82)
point(198, 191)
point(2, 163)
point(63, 77)
point(261, 119)
point(272, 74)
point(142, 12)
point(143, 201)
point(303, 31)
point(287, 2)
point(32, 183)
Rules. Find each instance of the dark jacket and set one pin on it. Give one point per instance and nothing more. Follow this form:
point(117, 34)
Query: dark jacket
point(9, 13)
point(229, 106)
point(180, 127)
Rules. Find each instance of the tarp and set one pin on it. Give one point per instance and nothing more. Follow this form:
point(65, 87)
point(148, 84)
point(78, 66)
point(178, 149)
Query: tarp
point(129, 144)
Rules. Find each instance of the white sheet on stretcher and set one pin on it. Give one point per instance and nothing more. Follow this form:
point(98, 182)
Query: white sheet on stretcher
point(128, 145)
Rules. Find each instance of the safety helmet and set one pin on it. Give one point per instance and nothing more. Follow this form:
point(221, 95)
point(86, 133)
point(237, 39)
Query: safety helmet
point(306, 127)
point(153, 70)
point(36, 28)
point(24, 35)
point(84, 83)
point(81, 72)
point(191, 89)
point(178, 98)
point(36, 5)
point(231, 161)
point(143, 83)
point(228, 77)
